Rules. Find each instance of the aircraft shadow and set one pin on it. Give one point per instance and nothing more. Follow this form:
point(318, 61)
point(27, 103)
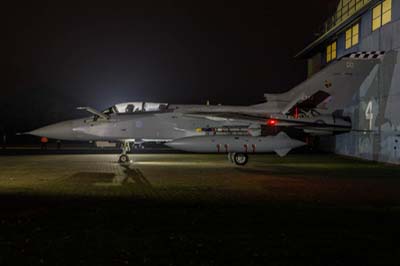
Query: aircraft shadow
point(133, 175)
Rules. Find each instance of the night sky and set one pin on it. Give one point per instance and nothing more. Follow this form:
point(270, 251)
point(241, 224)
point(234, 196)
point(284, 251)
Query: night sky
point(60, 56)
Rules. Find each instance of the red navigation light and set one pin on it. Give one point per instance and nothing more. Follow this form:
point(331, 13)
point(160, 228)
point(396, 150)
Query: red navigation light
point(272, 122)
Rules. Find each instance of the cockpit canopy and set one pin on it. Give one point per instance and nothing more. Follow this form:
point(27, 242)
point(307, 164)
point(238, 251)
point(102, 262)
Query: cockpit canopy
point(135, 107)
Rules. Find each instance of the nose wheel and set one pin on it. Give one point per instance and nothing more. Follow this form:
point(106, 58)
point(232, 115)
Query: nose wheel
point(123, 158)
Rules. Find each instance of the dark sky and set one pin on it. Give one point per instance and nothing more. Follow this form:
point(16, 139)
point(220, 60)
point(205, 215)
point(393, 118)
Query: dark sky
point(97, 53)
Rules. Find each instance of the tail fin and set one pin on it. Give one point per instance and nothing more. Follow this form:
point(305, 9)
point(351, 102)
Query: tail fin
point(339, 79)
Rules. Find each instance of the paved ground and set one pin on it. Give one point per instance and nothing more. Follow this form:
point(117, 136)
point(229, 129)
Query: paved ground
point(198, 210)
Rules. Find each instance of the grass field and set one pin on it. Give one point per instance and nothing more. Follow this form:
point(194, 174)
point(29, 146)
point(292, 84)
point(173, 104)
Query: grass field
point(198, 210)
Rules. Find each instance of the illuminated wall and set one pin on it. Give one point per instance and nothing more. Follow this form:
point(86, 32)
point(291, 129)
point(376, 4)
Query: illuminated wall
point(375, 113)
point(365, 26)
point(375, 110)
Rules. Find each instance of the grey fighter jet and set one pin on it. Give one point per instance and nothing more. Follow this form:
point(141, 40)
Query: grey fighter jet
point(312, 108)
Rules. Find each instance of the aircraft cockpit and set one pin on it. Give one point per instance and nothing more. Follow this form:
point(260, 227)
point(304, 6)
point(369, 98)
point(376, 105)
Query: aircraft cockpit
point(136, 107)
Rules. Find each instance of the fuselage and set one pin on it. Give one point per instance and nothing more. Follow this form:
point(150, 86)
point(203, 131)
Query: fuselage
point(163, 125)
point(137, 121)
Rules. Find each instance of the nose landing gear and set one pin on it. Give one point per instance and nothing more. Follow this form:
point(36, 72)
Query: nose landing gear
point(126, 147)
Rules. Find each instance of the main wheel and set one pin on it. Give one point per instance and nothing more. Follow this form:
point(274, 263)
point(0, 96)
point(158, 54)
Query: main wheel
point(123, 158)
point(240, 159)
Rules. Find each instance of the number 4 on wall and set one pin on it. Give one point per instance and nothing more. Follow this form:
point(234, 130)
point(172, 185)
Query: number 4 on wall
point(369, 114)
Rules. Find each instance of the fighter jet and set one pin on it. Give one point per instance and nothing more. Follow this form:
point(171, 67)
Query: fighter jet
point(312, 108)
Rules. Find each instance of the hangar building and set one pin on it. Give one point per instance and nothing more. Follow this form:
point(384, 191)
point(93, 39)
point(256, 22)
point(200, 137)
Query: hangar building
point(366, 27)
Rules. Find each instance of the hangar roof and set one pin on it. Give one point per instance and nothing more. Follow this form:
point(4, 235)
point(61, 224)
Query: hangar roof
point(346, 13)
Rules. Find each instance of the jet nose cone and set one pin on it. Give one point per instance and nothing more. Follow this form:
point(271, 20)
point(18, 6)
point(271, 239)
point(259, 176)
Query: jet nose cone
point(62, 131)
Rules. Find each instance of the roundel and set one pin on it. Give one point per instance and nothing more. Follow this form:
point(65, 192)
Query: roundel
point(328, 84)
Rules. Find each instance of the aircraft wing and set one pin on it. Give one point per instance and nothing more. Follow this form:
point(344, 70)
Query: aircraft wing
point(315, 124)
point(228, 116)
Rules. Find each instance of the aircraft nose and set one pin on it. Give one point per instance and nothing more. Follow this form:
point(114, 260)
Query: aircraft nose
point(62, 131)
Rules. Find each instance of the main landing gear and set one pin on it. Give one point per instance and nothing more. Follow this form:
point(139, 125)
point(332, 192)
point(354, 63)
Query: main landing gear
point(240, 159)
point(126, 147)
